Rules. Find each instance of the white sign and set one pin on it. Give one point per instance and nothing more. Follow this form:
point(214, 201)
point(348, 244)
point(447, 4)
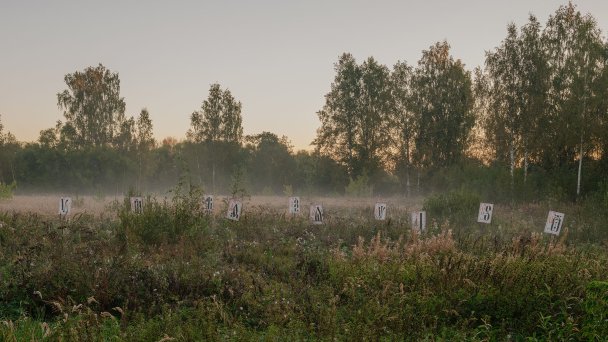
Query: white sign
point(419, 221)
point(234, 210)
point(65, 206)
point(208, 203)
point(137, 205)
point(554, 223)
point(485, 213)
point(294, 205)
point(380, 211)
point(316, 214)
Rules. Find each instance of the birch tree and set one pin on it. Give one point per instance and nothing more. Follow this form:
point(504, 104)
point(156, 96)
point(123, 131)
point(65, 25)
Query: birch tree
point(357, 117)
point(504, 124)
point(577, 57)
point(405, 124)
point(92, 106)
point(442, 101)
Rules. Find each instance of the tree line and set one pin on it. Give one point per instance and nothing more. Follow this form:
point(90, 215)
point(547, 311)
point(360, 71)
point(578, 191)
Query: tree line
point(532, 122)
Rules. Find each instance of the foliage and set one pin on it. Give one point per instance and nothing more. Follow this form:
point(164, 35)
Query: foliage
point(238, 187)
point(537, 110)
point(357, 116)
point(163, 222)
point(271, 163)
point(93, 108)
point(453, 206)
point(442, 102)
point(219, 118)
point(405, 121)
point(172, 273)
point(359, 187)
point(6, 190)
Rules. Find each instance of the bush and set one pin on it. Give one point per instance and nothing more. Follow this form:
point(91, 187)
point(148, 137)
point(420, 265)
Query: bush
point(359, 187)
point(6, 190)
point(164, 222)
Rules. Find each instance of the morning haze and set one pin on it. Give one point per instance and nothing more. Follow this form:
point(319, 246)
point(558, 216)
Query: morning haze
point(441, 201)
point(275, 57)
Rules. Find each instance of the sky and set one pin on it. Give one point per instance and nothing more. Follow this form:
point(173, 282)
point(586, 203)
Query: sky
point(276, 56)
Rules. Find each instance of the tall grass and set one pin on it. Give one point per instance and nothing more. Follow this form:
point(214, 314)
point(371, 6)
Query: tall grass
point(173, 272)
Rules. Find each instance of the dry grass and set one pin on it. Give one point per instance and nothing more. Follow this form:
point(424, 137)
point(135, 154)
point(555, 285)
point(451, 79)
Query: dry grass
point(49, 204)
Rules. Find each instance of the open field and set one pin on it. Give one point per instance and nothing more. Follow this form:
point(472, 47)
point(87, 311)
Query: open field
point(48, 204)
point(172, 273)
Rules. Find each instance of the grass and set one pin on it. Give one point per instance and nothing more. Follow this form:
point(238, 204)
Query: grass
point(173, 273)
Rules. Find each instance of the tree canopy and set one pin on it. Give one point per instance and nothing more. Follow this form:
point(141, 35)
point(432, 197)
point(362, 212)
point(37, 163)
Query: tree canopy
point(93, 108)
point(536, 109)
point(219, 118)
point(357, 116)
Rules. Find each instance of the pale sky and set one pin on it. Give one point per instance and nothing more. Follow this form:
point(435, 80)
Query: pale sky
point(276, 57)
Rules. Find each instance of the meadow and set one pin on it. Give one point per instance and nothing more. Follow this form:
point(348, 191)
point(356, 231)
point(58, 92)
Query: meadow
point(174, 273)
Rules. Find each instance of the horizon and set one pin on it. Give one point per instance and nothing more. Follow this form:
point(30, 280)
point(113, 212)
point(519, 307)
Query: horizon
point(279, 67)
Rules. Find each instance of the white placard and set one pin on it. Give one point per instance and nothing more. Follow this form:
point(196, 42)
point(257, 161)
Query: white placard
point(380, 211)
point(294, 205)
point(137, 205)
point(65, 206)
point(554, 223)
point(234, 210)
point(485, 213)
point(419, 221)
point(316, 214)
point(208, 203)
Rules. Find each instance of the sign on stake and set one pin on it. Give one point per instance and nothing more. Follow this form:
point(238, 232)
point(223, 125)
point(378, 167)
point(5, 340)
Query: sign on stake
point(137, 205)
point(380, 211)
point(294, 205)
point(234, 210)
point(485, 213)
point(316, 214)
point(554, 223)
point(419, 221)
point(208, 203)
point(65, 206)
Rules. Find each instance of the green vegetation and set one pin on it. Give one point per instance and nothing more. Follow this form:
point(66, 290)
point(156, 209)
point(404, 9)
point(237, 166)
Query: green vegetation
point(173, 272)
point(527, 132)
point(6, 190)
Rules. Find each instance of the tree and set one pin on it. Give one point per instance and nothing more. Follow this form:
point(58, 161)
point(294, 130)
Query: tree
point(8, 149)
point(6, 138)
point(232, 121)
point(535, 88)
point(271, 164)
point(505, 122)
point(144, 143)
point(357, 116)
point(126, 140)
point(50, 137)
point(144, 136)
point(219, 118)
point(405, 124)
point(480, 148)
point(577, 58)
point(337, 134)
point(602, 83)
point(217, 129)
point(442, 101)
point(376, 117)
point(316, 173)
point(92, 106)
